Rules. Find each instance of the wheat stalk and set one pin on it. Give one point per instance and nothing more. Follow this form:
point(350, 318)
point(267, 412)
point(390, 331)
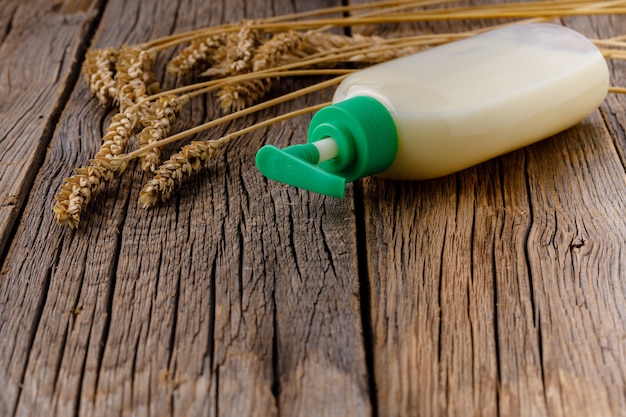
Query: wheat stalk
point(400, 12)
point(243, 59)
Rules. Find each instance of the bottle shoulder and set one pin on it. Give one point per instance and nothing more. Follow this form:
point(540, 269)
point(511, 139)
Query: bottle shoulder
point(487, 68)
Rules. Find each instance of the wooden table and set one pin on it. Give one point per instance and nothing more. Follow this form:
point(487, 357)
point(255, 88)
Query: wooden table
point(497, 290)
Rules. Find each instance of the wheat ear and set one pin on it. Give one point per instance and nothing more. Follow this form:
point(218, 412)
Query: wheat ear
point(118, 134)
point(134, 76)
point(80, 188)
point(196, 156)
point(158, 118)
point(133, 79)
point(98, 69)
point(208, 49)
point(237, 96)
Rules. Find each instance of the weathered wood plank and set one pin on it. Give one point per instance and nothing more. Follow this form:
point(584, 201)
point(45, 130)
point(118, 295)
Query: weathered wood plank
point(499, 289)
point(229, 300)
point(39, 44)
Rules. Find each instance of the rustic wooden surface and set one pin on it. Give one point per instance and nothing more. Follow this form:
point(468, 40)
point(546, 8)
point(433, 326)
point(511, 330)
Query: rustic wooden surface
point(497, 290)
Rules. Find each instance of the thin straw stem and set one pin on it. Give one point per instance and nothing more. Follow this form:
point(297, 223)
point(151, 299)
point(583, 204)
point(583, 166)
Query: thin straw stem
point(268, 74)
point(287, 70)
point(171, 40)
point(233, 116)
point(407, 17)
point(314, 59)
point(536, 9)
point(609, 42)
point(617, 55)
point(273, 120)
point(510, 10)
point(618, 38)
point(194, 90)
point(386, 5)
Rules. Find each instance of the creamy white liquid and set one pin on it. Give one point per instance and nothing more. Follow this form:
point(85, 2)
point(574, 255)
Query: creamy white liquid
point(468, 101)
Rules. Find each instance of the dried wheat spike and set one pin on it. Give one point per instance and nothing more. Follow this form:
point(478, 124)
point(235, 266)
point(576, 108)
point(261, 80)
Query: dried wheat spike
point(118, 134)
point(220, 66)
point(240, 47)
point(191, 159)
point(158, 119)
point(385, 53)
point(234, 97)
point(210, 49)
point(88, 180)
point(81, 187)
point(271, 52)
point(134, 76)
point(98, 70)
point(315, 42)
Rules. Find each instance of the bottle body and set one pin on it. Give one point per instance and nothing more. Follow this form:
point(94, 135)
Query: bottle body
point(445, 109)
point(462, 103)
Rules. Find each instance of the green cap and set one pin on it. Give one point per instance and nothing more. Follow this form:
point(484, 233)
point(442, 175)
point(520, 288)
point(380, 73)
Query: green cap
point(357, 138)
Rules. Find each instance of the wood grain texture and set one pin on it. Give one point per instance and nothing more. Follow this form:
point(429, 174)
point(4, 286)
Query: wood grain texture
point(195, 307)
point(511, 300)
point(39, 45)
point(495, 291)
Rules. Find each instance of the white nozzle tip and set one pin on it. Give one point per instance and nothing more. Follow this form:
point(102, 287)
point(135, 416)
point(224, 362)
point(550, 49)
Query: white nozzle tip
point(327, 148)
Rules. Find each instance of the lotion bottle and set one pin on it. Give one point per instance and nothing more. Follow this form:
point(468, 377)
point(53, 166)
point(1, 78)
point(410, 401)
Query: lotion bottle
point(445, 109)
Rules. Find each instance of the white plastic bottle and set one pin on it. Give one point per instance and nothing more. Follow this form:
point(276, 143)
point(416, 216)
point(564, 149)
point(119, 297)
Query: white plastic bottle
point(446, 109)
